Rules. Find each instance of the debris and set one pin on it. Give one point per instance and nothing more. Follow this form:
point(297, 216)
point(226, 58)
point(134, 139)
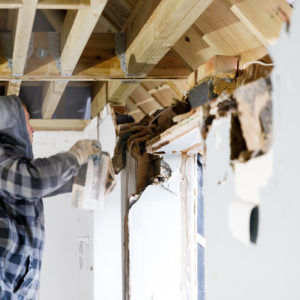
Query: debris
point(255, 114)
point(202, 94)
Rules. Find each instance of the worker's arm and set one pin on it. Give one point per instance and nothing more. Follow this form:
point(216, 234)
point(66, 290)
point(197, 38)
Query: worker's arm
point(34, 179)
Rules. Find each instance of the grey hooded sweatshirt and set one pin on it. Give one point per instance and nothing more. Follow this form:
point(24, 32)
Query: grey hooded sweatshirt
point(23, 182)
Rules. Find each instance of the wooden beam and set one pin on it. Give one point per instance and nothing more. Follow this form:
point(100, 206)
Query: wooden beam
point(99, 97)
point(63, 4)
point(55, 18)
point(75, 33)
point(11, 4)
point(236, 39)
point(263, 18)
point(59, 124)
point(151, 33)
point(53, 92)
point(97, 62)
point(13, 87)
point(22, 34)
point(152, 29)
point(46, 4)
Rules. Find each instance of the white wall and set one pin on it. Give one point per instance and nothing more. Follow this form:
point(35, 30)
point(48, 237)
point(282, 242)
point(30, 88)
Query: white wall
point(61, 278)
point(271, 269)
point(101, 276)
point(107, 251)
point(155, 240)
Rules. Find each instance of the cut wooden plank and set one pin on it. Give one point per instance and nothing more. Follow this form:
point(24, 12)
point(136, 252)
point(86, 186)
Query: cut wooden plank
point(104, 25)
point(52, 93)
point(263, 18)
point(10, 4)
point(22, 34)
point(99, 97)
point(63, 4)
point(189, 48)
point(117, 12)
point(13, 87)
point(150, 33)
point(151, 30)
point(234, 40)
point(215, 17)
point(98, 61)
point(55, 18)
point(119, 92)
point(59, 124)
point(163, 97)
point(133, 110)
point(76, 31)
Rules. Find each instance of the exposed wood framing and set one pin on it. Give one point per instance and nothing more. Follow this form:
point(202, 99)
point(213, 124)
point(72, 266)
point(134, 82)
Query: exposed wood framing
point(10, 4)
point(55, 18)
point(97, 62)
point(20, 23)
point(263, 18)
point(22, 34)
point(59, 124)
point(52, 94)
point(152, 29)
point(99, 97)
point(13, 87)
point(75, 33)
point(46, 4)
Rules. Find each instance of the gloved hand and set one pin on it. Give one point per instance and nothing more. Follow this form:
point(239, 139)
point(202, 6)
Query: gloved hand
point(85, 149)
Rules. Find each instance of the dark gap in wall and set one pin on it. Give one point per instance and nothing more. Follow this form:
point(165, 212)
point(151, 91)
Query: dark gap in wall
point(74, 104)
point(254, 221)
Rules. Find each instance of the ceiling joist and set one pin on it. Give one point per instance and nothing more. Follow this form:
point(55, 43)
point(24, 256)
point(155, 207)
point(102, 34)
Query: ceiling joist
point(46, 4)
point(151, 31)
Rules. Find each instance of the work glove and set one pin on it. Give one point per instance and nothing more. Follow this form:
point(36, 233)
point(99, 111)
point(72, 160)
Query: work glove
point(85, 149)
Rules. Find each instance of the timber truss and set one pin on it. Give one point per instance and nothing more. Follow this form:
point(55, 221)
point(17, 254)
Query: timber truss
point(141, 54)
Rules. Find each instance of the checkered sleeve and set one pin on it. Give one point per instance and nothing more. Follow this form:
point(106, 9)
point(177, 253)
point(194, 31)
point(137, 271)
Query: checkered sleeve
point(34, 179)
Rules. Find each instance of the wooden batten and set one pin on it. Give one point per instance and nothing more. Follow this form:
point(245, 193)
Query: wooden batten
point(59, 124)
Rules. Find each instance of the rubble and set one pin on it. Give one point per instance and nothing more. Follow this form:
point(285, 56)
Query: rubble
point(243, 94)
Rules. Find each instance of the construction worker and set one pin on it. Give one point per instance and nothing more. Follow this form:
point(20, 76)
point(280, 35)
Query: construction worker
point(23, 182)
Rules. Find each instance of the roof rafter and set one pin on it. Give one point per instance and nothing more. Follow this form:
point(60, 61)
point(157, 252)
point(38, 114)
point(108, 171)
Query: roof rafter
point(151, 30)
point(21, 34)
point(75, 33)
point(46, 4)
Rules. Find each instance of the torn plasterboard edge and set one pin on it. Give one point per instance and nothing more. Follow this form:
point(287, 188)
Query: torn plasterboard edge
point(182, 137)
point(162, 229)
point(252, 176)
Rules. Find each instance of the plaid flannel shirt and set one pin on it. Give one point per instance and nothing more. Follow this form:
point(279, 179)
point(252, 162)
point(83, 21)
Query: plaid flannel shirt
point(23, 182)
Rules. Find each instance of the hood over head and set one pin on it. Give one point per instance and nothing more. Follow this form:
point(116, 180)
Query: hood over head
point(13, 129)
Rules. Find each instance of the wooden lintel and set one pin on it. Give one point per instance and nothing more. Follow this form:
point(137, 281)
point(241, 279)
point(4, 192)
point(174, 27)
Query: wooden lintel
point(59, 124)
